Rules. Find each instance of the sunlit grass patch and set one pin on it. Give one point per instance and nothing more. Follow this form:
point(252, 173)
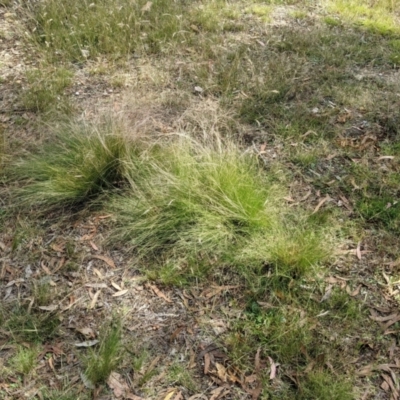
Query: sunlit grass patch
point(77, 30)
point(271, 85)
point(216, 16)
point(380, 16)
point(263, 11)
point(79, 164)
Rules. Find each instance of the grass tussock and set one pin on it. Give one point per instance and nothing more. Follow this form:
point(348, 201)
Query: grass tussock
point(177, 200)
point(205, 200)
point(79, 164)
point(193, 197)
point(100, 362)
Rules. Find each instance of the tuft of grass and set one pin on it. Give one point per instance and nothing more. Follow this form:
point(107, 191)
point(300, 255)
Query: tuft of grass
point(31, 326)
point(382, 209)
point(62, 395)
point(322, 385)
point(179, 375)
point(42, 292)
point(100, 362)
point(25, 360)
point(44, 91)
point(195, 203)
point(193, 199)
point(82, 162)
point(263, 11)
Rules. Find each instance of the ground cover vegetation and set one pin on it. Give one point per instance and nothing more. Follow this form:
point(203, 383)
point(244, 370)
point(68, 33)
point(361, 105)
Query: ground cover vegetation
point(199, 199)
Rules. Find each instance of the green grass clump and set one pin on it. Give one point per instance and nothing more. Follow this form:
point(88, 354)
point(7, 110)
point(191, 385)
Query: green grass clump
point(30, 326)
point(78, 165)
point(192, 198)
point(322, 385)
point(103, 360)
point(195, 202)
point(384, 210)
point(25, 360)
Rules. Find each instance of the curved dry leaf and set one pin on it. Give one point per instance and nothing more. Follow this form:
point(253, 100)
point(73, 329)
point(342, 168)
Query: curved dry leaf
point(221, 372)
point(120, 293)
point(158, 292)
point(198, 397)
point(87, 343)
point(86, 331)
point(169, 395)
point(96, 285)
point(106, 259)
point(321, 203)
point(49, 308)
point(94, 300)
point(88, 384)
point(117, 384)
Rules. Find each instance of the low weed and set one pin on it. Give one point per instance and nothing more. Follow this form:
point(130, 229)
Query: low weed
point(44, 91)
point(25, 360)
point(100, 362)
point(381, 209)
point(42, 292)
point(179, 375)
